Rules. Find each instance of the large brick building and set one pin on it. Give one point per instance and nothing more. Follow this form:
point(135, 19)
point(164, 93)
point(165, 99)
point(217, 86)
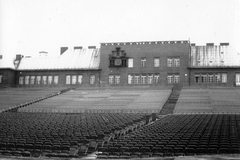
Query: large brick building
point(127, 64)
point(144, 63)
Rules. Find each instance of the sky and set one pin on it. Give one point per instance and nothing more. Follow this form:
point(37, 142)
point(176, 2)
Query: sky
point(30, 26)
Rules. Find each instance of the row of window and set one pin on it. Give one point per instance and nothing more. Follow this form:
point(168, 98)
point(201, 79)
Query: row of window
point(143, 79)
point(171, 62)
point(152, 78)
point(77, 79)
point(114, 79)
point(211, 78)
point(173, 78)
point(74, 79)
point(53, 79)
point(38, 80)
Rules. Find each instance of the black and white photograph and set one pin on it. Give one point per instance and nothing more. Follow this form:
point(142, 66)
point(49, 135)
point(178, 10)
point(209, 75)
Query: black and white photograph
point(120, 79)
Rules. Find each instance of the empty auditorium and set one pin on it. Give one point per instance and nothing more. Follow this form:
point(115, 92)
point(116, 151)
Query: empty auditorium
point(123, 100)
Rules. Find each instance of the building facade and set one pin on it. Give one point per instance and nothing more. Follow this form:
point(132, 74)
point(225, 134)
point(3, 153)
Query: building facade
point(7, 77)
point(58, 78)
point(214, 65)
point(75, 67)
point(148, 63)
point(144, 63)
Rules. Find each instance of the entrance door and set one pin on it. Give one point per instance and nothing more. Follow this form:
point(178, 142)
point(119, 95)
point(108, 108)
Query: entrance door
point(238, 79)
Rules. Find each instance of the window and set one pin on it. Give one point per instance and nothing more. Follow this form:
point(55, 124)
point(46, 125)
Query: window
point(210, 78)
point(92, 79)
point(130, 79)
point(143, 62)
point(32, 81)
point(21, 80)
point(224, 77)
point(111, 79)
point(156, 78)
point(130, 62)
point(143, 79)
point(117, 79)
point(49, 79)
point(217, 78)
point(124, 62)
point(176, 62)
point(74, 79)
point(111, 62)
point(38, 80)
point(237, 79)
point(170, 79)
point(68, 79)
point(176, 79)
point(150, 79)
point(169, 62)
point(55, 81)
point(1, 78)
point(204, 78)
point(197, 78)
point(156, 62)
point(80, 77)
point(26, 79)
point(44, 79)
point(136, 79)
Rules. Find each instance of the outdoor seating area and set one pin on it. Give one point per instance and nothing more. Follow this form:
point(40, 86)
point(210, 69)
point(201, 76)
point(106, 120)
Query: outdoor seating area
point(62, 135)
point(103, 101)
point(178, 135)
point(120, 123)
point(208, 100)
point(11, 98)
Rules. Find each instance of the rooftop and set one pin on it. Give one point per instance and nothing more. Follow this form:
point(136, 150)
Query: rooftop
point(70, 59)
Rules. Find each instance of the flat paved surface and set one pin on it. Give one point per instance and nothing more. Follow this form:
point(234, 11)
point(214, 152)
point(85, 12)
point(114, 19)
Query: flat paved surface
point(208, 100)
point(130, 100)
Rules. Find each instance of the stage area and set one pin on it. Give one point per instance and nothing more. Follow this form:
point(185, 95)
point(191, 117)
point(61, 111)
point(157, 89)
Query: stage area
point(114, 100)
point(208, 100)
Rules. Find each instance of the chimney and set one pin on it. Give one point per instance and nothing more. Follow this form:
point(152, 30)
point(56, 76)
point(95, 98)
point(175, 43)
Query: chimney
point(63, 49)
point(91, 47)
point(78, 47)
point(43, 53)
point(19, 57)
point(224, 44)
point(210, 44)
point(193, 44)
point(17, 60)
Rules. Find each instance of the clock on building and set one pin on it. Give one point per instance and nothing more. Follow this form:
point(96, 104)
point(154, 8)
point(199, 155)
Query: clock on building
point(118, 62)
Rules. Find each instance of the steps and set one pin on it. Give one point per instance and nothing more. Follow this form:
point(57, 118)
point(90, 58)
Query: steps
point(172, 100)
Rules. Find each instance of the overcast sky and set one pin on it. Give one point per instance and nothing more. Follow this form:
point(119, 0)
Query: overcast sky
point(30, 26)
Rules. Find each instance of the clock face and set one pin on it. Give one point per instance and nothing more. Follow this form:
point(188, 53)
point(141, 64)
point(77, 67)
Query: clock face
point(118, 62)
